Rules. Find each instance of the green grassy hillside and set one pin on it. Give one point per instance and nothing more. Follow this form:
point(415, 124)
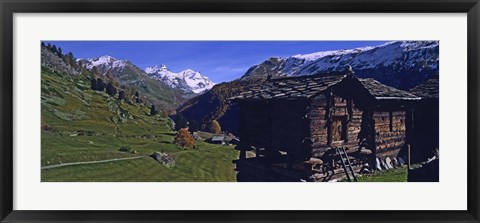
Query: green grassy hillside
point(392, 175)
point(82, 125)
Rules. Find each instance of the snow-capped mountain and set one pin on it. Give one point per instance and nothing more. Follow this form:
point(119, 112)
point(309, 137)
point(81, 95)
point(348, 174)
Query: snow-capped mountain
point(104, 62)
point(129, 75)
point(402, 64)
point(123, 71)
point(187, 80)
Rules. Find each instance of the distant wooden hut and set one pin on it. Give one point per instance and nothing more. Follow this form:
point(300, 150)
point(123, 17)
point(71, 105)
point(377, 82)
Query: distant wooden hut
point(289, 121)
point(426, 121)
point(218, 139)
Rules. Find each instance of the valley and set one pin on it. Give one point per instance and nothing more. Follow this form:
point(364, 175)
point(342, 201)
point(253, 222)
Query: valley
point(108, 120)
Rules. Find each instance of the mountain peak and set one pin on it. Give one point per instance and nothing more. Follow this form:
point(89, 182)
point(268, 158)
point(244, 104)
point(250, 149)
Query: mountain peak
point(106, 61)
point(321, 54)
point(188, 71)
point(187, 80)
point(400, 64)
point(156, 69)
point(405, 45)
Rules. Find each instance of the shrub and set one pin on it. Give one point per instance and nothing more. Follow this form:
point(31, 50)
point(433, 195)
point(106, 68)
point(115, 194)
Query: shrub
point(184, 139)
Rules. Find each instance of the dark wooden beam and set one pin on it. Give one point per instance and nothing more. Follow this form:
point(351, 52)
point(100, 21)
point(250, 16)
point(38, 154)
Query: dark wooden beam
point(409, 127)
point(372, 135)
point(328, 114)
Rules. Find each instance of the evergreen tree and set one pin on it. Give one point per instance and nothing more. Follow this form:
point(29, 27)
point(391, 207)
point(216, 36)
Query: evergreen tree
point(100, 85)
point(193, 126)
point(93, 84)
point(49, 46)
point(59, 53)
point(111, 90)
point(137, 97)
point(54, 49)
point(153, 110)
point(180, 122)
point(66, 59)
point(43, 44)
point(121, 95)
point(70, 59)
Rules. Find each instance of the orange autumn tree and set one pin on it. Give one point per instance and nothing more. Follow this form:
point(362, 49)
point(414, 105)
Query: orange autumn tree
point(184, 139)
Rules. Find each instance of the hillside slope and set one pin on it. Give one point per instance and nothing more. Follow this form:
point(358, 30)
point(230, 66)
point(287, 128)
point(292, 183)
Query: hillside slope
point(83, 125)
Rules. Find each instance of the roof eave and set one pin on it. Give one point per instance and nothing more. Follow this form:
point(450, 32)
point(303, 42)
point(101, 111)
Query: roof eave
point(398, 98)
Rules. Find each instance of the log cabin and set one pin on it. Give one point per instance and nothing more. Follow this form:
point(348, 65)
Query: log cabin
point(425, 140)
point(292, 125)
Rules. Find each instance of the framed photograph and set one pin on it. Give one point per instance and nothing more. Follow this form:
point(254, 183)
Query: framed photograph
point(232, 111)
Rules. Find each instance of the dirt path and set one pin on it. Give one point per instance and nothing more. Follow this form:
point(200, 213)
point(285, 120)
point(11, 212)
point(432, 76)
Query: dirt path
point(90, 162)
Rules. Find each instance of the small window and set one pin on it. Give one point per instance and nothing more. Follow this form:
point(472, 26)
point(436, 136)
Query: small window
point(339, 128)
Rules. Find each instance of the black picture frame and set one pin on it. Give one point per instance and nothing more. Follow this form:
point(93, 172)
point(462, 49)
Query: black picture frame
point(9, 7)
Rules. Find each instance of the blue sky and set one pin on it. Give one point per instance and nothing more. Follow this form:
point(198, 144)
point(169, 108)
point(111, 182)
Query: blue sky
point(219, 60)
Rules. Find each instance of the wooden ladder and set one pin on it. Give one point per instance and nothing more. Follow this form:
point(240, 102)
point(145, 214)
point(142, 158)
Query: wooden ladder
point(347, 166)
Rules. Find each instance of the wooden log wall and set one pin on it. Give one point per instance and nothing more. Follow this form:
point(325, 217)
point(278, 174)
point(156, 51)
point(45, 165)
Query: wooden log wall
point(389, 132)
point(319, 122)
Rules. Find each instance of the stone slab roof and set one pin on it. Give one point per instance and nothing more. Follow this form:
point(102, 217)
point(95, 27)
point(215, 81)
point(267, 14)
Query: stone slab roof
point(310, 86)
point(296, 87)
point(427, 90)
point(382, 92)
